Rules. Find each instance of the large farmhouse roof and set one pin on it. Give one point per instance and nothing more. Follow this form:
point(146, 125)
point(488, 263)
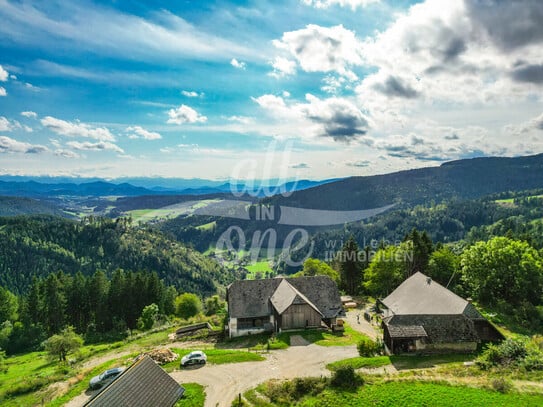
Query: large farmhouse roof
point(143, 384)
point(251, 298)
point(420, 295)
point(286, 295)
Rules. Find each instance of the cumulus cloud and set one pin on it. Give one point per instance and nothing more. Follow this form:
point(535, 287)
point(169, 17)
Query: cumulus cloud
point(335, 118)
point(185, 114)
point(9, 145)
point(323, 49)
point(530, 127)
point(67, 153)
point(353, 4)
point(5, 125)
point(237, 64)
point(29, 114)
point(528, 73)
point(140, 132)
point(98, 146)
point(3, 91)
point(4, 75)
point(77, 129)
point(508, 24)
point(396, 87)
point(282, 67)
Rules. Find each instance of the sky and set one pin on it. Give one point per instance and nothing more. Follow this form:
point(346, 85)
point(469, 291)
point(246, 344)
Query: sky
point(307, 89)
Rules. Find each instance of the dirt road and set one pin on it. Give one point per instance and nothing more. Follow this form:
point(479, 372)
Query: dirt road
point(224, 382)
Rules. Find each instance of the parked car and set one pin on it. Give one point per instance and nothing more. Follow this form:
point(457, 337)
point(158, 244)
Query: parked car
point(194, 358)
point(105, 378)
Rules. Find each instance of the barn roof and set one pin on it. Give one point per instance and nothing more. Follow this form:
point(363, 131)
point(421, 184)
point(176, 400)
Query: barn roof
point(286, 295)
point(251, 298)
point(406, 331)
point(141, 385)
point(420, 295)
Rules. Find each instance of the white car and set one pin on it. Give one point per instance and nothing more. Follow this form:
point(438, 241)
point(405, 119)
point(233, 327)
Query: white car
point(194, 358)
point(106, 377)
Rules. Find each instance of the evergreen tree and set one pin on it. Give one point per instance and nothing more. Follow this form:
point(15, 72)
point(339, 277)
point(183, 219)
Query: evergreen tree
point(54, 305)
point(350, 267)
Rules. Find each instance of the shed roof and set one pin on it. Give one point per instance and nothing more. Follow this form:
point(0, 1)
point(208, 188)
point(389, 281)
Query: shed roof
point(141, 385)
point(420, 295)
point(406, 331)
point(251, 298)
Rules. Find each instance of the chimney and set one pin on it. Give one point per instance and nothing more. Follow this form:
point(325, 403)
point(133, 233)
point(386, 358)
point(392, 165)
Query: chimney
point(428, 280)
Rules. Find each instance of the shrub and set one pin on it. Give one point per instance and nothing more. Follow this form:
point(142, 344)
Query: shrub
point(509, 352)
point(502, 385)
point(346, 378)
point(368, 348)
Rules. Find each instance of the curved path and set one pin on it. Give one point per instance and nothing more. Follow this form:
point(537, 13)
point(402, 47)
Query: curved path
point(224, 382)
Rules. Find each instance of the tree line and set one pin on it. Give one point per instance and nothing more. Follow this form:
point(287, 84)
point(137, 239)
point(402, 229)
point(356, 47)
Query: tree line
point(97, 307)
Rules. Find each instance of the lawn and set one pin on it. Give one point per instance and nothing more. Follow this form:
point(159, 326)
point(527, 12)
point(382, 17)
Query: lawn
point(194, 396)
point(261, 267)
point(414, 393)
point(400, 362)
point(360, 362)
point(216, 356)
point(326, 338)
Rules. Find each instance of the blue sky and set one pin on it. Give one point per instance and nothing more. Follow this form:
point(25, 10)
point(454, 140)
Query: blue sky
point(261, 89)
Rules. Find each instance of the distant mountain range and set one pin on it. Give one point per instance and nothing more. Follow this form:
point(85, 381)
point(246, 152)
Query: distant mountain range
point(21, 186)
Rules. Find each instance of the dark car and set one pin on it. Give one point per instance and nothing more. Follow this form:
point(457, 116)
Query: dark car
point(105, 378)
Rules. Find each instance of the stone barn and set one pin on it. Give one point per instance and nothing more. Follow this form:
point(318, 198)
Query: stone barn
point(423, 316)
point(277, 304)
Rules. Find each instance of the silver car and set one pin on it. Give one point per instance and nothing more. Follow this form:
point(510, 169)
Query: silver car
point(194, 358)
point(105, 378)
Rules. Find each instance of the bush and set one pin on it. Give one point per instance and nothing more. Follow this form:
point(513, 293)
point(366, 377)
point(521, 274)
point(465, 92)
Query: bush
point(289, 392)
point(346, 378)
point(509, 352)
point(368, 348)
point(502, 385)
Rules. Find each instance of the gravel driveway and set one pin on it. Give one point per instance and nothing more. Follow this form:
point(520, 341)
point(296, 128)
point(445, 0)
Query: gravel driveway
point(224, 382)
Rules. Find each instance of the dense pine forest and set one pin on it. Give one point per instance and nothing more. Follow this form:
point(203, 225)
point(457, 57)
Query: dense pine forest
point(40, 245)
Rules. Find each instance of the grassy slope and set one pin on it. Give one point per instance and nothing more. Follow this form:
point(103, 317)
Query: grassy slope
point(420, 394)
point(325, 338)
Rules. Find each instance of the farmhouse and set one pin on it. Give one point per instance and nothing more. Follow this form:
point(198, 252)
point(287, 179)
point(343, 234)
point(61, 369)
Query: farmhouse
point(276, 304)
point(423, 316)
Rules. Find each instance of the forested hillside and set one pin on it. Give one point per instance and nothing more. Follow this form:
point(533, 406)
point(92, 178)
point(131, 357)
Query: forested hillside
point(38, 246)
point(12, 206)
point(463, 179)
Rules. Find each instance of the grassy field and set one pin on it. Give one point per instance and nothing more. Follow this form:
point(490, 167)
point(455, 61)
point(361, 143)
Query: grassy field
point(401, 362)
point(261, 267)
point(420, 394)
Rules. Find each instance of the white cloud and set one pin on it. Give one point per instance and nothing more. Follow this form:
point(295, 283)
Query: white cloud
point(107, 31)
point(140, 132)
point(9, 145)
point(282, 67)
point(70, 129)
point(240, 119)
point(358, 163)
point(4, 75)
point(67, 153)
point(185, 114)
point(29, 114)
point(323, 49)
point(238, 64)
point(334, 118)
point(98, 146)
point(191, 94)
point(3, 91)
point(5, 125)
point(353, 4)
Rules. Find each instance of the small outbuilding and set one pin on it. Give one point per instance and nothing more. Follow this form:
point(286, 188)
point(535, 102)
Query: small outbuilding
point(276, 304)
point(143, 384)
point(423, 316)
